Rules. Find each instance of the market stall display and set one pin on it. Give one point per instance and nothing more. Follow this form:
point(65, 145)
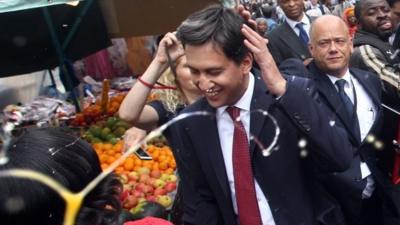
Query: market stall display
point(154, 179)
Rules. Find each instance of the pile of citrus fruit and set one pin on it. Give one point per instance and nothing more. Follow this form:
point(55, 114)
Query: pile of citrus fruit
point(163, 159)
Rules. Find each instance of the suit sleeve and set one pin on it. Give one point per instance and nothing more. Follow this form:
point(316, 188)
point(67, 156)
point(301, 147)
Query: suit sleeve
point(329, 144)
point(207, 210)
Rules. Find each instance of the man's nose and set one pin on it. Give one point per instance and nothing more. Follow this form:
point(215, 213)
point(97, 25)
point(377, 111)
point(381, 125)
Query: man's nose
point(382, 14)
point(332, 47)
point(202, 83)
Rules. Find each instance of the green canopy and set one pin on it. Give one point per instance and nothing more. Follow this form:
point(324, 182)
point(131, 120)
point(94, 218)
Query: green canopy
point(14, 5)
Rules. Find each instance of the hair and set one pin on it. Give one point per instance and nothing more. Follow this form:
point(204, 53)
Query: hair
point(261, 19)
point(357, 10)
point(171, 99)
point(392, 2)
point(268, 11)
point(74, 165)
point(217, 25)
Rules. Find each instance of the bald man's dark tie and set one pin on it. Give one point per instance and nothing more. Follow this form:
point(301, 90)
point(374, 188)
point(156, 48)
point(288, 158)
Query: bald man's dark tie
point(349, 106)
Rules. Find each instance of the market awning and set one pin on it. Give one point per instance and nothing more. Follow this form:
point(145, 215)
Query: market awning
point(26, 42)
point(15, 5)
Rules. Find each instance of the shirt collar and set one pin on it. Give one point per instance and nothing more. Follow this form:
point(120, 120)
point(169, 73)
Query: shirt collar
point(347, 77)
point(245, 101)
point(293, 23)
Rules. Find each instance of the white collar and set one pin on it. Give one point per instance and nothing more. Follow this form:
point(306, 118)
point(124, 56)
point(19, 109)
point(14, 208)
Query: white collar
point(245, 101)
point(293, 23)
point(347, 77)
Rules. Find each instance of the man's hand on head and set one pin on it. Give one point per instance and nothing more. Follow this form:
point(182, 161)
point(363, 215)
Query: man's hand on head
point(270, 73)
point(247, 16)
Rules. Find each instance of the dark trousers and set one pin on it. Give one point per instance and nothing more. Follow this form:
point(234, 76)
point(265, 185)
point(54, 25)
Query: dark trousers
point(371, 211)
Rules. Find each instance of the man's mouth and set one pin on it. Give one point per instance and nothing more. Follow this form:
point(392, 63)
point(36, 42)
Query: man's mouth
point(385, 25)
point(334, 58)
point(211, 92)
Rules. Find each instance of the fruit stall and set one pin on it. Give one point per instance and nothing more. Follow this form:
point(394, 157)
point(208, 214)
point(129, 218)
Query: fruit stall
point(154, 179)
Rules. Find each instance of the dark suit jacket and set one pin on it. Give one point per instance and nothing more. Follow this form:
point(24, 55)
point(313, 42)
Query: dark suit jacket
point(284, 177)
point(283, 43)
point(347, 186)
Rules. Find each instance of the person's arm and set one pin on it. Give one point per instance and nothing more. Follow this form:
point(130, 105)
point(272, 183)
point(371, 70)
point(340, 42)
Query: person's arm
point(273, 79)
point(134, 109)
point(376, 62)
point(133, 136)
point(371, 59)
point(299, 99)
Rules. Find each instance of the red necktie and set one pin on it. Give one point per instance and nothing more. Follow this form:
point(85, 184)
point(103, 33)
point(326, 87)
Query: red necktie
point(246, 199)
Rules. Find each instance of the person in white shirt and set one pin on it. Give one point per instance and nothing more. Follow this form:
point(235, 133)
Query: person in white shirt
point(340, 7)
point(317, 9)
point(290, 39)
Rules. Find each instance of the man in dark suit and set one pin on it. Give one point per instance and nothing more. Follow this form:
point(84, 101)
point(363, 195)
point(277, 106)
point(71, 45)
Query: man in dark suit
point(364, 192)
point(241, 182)
point(290, 39)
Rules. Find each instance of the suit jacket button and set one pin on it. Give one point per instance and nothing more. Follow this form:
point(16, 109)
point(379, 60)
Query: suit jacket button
point(306, 127)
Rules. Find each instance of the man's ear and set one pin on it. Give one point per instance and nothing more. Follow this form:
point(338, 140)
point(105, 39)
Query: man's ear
point(310, 48)
point(247, 63)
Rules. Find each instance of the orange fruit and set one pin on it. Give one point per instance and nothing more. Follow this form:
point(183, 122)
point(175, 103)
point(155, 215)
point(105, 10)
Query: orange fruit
point(110, 159)
point(119, 170)
point(163, 165)
point(103, 158)
point(169, 171)
point(129, 164)
point(104, 166)
point(172, 165)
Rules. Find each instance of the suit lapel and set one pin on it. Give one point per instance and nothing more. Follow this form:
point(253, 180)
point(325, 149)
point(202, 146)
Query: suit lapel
point(294, 42)
point(328, 90)
point(374, 94)
point(260, 100)
point(214, 153)
point(368, 86)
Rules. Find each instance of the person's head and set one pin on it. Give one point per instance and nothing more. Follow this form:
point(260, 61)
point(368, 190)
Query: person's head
point(216, 55)
point(268, 11)
point(374, 17)
point(330, 45)
point(293, 9)
point(182, 80)
point(349, 17)
point(314, 2)
point(70, 161)
point(395, 12)
point(262, 26)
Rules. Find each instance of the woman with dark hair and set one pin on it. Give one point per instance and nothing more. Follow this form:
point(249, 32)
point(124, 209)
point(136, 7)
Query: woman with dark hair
point(68, 160)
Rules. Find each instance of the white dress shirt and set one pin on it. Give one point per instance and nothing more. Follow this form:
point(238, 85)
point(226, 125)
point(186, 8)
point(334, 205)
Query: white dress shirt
point(306, 25)
point(366, 114)
point(225, 132)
